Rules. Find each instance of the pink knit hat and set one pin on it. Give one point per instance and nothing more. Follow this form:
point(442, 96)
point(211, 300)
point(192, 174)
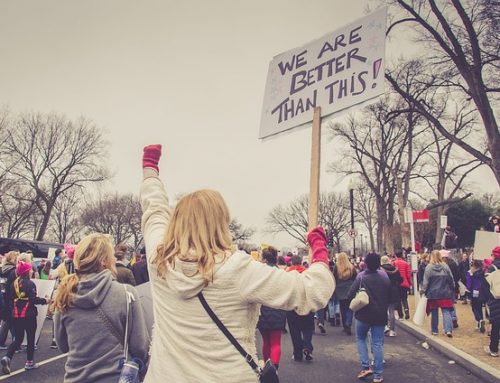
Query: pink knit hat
point(23, 268)
point(70, 250)
point(496, 252)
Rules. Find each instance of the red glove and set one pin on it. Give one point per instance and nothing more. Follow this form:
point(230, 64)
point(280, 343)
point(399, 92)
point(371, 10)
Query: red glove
point(317, 241)
point(151, 156)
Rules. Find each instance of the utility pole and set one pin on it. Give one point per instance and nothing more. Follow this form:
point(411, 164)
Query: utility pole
point(351, 199)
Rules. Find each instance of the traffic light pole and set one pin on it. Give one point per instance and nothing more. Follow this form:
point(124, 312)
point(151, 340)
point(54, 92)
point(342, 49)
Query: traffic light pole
point(351, 199)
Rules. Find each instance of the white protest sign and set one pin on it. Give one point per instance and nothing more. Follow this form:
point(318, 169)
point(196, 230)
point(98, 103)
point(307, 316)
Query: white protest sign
point(485, 241)
point(335, 72)
point(43, 288)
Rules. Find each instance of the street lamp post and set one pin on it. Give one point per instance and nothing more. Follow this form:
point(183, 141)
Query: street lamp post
point(351, 199)
point(362, 248)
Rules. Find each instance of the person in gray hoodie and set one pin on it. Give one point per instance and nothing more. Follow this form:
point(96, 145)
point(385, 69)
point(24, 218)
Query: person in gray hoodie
point(90, 323)
point(439, 288)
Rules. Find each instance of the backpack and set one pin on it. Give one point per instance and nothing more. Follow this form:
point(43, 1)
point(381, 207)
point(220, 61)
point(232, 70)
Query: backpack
point(493, 280)
point(450, 241)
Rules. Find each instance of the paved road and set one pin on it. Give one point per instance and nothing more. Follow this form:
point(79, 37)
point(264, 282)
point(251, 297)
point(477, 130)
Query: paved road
point(335, 359)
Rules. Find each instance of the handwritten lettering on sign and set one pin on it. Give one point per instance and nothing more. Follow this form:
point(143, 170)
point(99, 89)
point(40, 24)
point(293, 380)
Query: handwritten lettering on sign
point(339, 70)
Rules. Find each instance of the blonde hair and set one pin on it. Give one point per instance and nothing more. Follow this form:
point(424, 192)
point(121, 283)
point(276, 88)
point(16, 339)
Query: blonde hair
point(199, 229)
point(25, 257)
point(345, 269)
point(435, 258)
point(10, 257)
point(424, 257)
point(93, 254)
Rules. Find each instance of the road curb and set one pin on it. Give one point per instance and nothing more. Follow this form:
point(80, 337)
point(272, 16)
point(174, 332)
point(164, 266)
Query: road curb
point(475, 366)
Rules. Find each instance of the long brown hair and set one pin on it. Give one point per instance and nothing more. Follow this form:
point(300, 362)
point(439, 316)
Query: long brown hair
point(198, 231)
point(93, 254)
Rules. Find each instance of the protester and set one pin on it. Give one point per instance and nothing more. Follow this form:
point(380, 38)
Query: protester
point(424, 261)
point(7, 277)
point(140, 269)
point(474, 282)
point(344, 274)
point(372, 318)
point(439, 288)
point(123, 273)
point(449, 240)
point(464, 268)
point(394, 298)
point(493, 304)
point(493, 224)
point(189, 252)
point(24, 313)
point(271, 321)
point(67, 267)
point(45, 271)
point(301, 326)
point(405, 286)
point(57, 259)
point(446, 256)
point(91, 302)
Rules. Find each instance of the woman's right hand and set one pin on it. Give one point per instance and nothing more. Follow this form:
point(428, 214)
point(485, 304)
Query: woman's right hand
point(151, 156)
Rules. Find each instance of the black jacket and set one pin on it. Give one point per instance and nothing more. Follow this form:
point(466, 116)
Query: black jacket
point(377, 286)
point(124, 274)
point(455, 271)
point(396, 279)
point(24, 301)
point(140, 270)
point(271, 319)
point(8, 273)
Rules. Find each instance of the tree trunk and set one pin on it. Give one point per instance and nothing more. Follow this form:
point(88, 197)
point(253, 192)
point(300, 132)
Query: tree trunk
point(45, 223)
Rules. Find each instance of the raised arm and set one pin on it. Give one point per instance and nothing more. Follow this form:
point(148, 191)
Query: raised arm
point(154, 200)
point(302, 292)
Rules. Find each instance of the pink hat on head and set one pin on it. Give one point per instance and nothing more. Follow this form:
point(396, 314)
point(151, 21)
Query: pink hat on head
point(444, 253)
point(70, 250)
point(496, 252)
point(23, 268)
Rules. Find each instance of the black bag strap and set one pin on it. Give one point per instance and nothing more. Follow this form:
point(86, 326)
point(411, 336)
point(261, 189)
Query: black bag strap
point(229, 336)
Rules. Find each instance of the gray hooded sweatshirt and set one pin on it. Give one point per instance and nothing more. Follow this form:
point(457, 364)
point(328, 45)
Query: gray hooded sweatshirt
point(93, 350)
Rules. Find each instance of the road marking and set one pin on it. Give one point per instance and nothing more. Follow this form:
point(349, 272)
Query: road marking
point(21, 370)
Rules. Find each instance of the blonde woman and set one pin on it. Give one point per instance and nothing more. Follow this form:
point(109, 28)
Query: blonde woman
point(90, 316)
point(439, 288)
point(345, 274)
point(188, 252)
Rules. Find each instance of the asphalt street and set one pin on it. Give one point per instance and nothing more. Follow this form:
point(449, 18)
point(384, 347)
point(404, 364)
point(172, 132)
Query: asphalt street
point(335, 360)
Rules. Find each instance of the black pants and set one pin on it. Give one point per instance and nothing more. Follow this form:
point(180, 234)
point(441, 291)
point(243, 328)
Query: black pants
point(403, 295)
point(495, 336)
point(22, 325)
point(301, 330)
point(5, 328)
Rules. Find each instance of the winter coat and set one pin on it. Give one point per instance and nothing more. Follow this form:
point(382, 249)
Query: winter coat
point(405, 271)
point(455, 271)
point(90, 328)
point(474, 283)
point(464, 267)
point(438, 282)
point(420, 272)
point(24, 299)
point(271, 319)
point(493, 304)
point(342, 286)
point(187, 345)
point(377, 286)
point(124, 274)
point(8, 274)
point(395, 278)
point(140, 271)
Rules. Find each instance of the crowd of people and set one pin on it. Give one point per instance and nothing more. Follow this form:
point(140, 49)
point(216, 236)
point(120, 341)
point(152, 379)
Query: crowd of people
point(209, 298)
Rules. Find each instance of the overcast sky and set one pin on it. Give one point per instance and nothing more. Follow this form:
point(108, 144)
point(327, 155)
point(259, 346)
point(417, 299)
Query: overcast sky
point(187, 74)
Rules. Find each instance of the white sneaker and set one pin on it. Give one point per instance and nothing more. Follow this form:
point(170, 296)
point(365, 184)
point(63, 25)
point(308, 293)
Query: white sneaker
point(392, 333)
point(386, 329)
point(489, 352)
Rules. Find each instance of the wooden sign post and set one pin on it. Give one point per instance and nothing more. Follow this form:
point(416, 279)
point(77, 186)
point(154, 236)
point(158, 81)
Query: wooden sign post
point(315, 167)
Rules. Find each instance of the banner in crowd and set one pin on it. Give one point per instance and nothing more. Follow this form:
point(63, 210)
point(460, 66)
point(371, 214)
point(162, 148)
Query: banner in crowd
point(485, 241)
point(44, 288)
point(337, 71)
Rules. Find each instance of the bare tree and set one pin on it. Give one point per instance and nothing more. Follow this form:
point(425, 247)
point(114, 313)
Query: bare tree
point(365, 208)
point(114, 214)
point(65, 226)
point(293, 218)
point(240, 234)
point(463, 41)
point(52, 155)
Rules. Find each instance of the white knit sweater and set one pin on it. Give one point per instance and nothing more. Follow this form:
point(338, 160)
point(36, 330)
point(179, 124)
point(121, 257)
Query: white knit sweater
point(187, 346)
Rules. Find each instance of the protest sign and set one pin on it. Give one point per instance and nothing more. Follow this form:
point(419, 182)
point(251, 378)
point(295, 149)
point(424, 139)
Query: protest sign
point(485, 241)
point(335, 72)
point(44, 288)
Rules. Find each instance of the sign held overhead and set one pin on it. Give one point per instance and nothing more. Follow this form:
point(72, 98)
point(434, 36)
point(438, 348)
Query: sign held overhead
point(339, 70)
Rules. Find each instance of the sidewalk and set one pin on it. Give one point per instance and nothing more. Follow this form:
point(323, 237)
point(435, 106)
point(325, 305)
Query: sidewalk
point(466, 346)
